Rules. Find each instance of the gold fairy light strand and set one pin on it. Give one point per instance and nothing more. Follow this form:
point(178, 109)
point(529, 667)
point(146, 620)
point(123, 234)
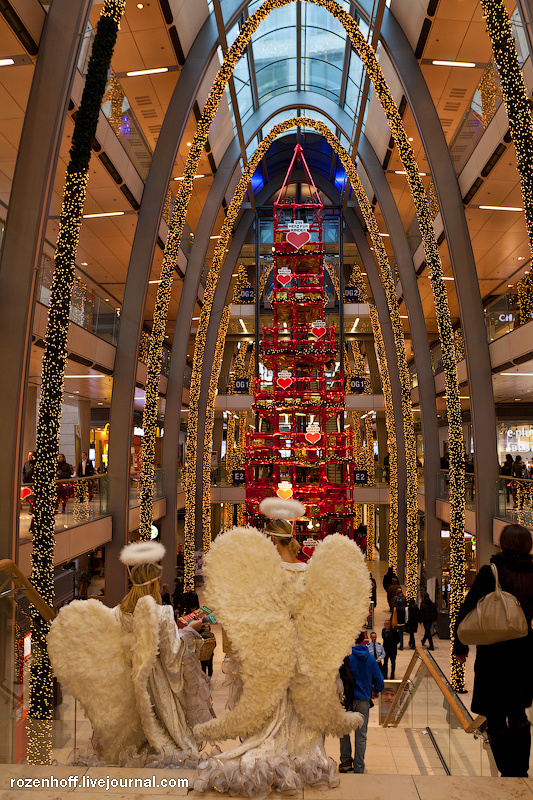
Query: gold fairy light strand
point(391, 434)
point(208, 436)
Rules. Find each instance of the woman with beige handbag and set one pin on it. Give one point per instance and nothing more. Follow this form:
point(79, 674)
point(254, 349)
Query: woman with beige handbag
point(503, 674)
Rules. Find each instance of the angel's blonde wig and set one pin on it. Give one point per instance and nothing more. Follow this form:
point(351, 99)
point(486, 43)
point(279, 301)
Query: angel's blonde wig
point(282, 530)
point(145, 580)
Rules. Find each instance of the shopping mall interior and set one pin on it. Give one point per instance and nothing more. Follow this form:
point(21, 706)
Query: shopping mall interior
point(264, 248)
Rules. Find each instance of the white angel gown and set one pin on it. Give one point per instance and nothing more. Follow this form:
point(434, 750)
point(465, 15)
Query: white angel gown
point(137, 677)
point(282, 746)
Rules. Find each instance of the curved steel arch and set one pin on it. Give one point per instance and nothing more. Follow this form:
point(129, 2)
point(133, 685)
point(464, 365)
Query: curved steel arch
point(198, 59)
point(408, 277)
point(381, 305)
point(403, 61)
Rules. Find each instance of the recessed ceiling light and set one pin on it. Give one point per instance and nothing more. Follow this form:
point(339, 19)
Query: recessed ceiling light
point(403, 172)
point(84, 264)
point(215, 237)
point(106, 299)
point(196, 176)
point(521, 258)
point(189, 144)
point(234, 274)
point(444, 278)
point(100, 404)
point(500, 208)
point(509, 285)
point(137, 72)
point(195, 319)
point(140, 5)
point(98, 375)
point(517, 374)
point(404, 317)
point(411, 139)
point(453, 63)
point(6, 62)
point(106, 214)
point(385, 234)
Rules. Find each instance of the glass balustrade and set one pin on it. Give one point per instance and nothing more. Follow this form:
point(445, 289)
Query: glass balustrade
point(443, 488)
point(78, 500)
point(88, 308)
point(514, 500)
point(158, 487)
point(438, 723)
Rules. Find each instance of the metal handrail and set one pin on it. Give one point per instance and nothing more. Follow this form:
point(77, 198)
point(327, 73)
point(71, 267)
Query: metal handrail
point(22, 584)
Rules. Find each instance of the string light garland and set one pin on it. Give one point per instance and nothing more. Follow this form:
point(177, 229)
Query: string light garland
point(53, 369)
point(370, 467)
point(208, 434)
point(490, 91)
point(525, 298)
point(241, 283)
point(391, 435)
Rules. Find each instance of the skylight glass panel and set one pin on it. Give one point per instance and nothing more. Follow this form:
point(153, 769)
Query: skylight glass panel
point(274, 51)
point(355, 79)
point(323, 49)
point(277, 118)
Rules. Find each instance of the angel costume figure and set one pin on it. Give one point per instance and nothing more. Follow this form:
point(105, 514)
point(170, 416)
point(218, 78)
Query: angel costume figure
point(288, 660)
point(135, 674)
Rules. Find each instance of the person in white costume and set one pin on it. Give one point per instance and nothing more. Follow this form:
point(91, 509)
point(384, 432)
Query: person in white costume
point(288, 660)
point(136, 675)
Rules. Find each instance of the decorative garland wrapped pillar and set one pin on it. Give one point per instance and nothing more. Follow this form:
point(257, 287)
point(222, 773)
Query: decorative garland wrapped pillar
point(53, 369)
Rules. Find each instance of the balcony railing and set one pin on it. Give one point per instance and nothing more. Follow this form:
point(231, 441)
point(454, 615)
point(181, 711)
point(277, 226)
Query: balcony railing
point(78, 500)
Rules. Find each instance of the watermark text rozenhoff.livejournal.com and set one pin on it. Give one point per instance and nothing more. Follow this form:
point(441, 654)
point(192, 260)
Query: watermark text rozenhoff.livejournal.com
point(86, 782)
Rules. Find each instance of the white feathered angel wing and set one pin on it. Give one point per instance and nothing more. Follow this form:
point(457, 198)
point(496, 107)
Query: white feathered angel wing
point(244, 586)
point(333, 607)
point(85, 648)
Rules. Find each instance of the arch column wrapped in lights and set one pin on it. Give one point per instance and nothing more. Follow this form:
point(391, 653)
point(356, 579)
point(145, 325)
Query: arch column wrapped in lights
point(432, 259)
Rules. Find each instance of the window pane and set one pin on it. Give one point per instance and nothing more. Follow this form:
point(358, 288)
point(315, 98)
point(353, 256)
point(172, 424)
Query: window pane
point(276, 78)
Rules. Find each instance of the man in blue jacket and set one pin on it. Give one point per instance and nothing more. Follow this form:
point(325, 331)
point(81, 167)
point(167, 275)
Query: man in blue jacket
point(368, 681)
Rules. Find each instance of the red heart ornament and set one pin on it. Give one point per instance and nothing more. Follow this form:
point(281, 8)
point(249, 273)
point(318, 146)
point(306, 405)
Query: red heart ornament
point(284, 279)
point(298, 239)
point(284, 383)
point(308, 551)
point(318, 332)
point(313, 438)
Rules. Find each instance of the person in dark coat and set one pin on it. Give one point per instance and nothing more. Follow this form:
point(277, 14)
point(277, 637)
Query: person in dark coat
point(428, 615)
point(85, 467)
point(391, 640)
point(27, 469)
point(503, 675)
point(392, 591)
point(389, 577)
point(373, 590)
point(177, 595)
point(399, 604)
point(412, 620)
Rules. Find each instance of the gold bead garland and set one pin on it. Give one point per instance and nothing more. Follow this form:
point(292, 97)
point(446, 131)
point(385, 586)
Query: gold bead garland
point(391, 434)
point(208, 434)
point(52, 378)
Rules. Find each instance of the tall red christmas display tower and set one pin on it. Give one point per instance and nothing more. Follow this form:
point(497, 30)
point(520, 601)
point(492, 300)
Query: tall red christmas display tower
point(299, 447)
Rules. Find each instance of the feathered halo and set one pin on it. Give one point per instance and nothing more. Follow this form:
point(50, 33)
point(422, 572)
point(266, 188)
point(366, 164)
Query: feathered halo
point(277, 508)
point(142, 553)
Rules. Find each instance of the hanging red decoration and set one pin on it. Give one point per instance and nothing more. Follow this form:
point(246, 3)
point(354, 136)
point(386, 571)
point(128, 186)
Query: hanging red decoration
point(297, 449)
